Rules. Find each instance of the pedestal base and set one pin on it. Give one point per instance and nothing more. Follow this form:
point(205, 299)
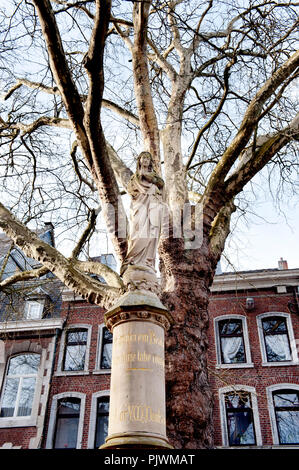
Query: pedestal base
point(137, 387)
point(135, 441)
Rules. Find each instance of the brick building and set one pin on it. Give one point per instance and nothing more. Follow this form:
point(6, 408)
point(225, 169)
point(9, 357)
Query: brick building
point(254, 345)
point(55, 355)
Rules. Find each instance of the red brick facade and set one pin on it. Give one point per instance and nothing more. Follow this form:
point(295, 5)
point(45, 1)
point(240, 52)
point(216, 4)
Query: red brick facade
point(225, 300)
point(259, 376)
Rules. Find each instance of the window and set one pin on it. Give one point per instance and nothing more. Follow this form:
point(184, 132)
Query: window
point(65, 429)
point(231, 341)
point(277, 339)
point(19, 386)
point(101, 421)
point(67, 423)
point(105, 349)
point(33, 310)
point(286, 406)
point(239, 418)
point(239, 414)
point(75, 349)
point(232, 344)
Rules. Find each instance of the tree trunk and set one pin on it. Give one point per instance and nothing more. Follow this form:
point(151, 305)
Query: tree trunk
point(187, 275)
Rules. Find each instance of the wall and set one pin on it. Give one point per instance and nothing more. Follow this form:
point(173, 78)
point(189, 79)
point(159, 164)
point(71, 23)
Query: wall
point(258, 376)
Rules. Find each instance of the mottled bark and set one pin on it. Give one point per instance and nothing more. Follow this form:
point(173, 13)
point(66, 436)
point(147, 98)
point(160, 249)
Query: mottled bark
point(186, 277)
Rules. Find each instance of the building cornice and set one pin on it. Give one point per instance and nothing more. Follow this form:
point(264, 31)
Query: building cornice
point(255, 280)
point(31, 325)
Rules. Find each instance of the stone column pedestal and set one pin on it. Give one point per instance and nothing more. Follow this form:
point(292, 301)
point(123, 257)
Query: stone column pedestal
point(137, 391)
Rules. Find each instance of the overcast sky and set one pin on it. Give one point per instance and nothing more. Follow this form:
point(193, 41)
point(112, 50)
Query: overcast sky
point(262, 244)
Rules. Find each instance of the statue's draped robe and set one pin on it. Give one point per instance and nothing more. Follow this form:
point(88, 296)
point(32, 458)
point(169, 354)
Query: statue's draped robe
point(146, 216)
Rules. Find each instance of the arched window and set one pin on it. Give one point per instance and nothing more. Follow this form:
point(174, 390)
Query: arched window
point(67, 423)
point(286, 412)
point(104, 355)
point(232, 344)
point(231, 341)
point(65, 428)
point(277, 339)
point(239, 416)
point(19, 385)
point(98, 423)
point(74, 350)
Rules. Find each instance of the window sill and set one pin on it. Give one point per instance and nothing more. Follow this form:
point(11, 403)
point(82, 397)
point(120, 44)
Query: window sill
point(18, 422)
point(280, 364)
point(101, 371)
point(235, 366)
point(64, 373)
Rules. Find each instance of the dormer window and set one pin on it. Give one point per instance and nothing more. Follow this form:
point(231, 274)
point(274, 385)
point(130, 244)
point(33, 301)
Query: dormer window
point(35, 304)
point(34, 309)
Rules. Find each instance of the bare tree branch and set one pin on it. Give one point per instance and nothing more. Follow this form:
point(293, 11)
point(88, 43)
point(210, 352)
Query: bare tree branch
point(51, 259)
point(255, 159)
point(214, 116)
point(131, 117)
point(23, 276)
point(62, 75)
point(250, 119)
point(86, 234)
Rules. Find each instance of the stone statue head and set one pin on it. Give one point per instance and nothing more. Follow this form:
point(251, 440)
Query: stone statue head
point(147, 157)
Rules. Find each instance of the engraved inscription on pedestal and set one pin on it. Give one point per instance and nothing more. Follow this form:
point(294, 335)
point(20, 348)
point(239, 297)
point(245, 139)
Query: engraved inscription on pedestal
point(136, 385)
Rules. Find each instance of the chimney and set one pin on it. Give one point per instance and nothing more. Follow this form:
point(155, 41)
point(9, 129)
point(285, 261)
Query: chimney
point(282, 264)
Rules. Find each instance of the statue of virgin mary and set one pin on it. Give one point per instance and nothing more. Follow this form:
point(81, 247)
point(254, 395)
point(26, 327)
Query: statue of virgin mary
point(146, 216)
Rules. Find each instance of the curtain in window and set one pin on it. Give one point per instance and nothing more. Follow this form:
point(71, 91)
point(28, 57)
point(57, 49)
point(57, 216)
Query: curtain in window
point(278, 348)
point(239, 419)
point(241, 428)
point(276, 339)
point(231, 341)
point(230, 349)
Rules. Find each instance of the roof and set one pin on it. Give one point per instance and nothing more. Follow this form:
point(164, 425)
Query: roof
point(17, 260)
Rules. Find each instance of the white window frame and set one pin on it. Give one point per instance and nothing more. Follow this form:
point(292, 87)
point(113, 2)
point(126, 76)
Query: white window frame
point(292, 341)
point(271, 408)
point(219, 364)
point(98, 369)
point(85, 371)
point(24, 421)
point(53, 416)
point(254, 406)
point(29, 304)
point(93, 416)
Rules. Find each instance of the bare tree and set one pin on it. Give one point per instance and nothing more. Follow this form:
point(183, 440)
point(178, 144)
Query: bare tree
point(206, 87)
